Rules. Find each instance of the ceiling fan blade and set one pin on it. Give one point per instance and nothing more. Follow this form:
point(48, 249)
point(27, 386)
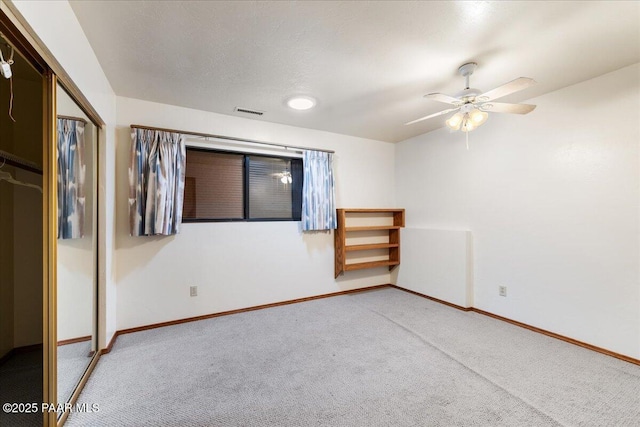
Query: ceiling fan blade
point(441, 97)
point(502, 107)
point(507, 89)
point(430, 116)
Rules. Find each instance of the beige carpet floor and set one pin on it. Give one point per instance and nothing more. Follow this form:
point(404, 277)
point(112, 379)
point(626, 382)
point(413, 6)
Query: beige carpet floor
point(377, 358)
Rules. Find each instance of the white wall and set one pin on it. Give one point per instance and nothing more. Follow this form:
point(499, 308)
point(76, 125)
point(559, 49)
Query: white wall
point(57, 26)
point(238, 265)
point(438, 263)
point(552, 199)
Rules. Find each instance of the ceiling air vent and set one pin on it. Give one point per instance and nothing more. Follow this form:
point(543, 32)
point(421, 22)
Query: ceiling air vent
point(248, 111)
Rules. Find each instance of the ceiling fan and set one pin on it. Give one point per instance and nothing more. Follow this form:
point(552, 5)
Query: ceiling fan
point(284, 176)
point(471, 106)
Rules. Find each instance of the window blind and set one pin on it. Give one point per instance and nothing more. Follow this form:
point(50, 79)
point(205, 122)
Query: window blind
point(269, 197)
point(214, 185)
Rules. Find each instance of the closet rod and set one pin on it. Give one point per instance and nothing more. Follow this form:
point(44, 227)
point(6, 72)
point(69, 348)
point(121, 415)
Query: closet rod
point(77, 119)
point(19, 162)
point(230, 138)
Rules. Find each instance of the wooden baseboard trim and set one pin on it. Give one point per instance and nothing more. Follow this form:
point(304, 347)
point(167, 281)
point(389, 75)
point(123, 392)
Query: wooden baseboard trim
point(560, 337)
point(458, 307)
point(529, 327)
point(74, 340)
point(109, 347)
point(230, 312)
point(19, 350)
point(27, 348)
point(6, 356)
point(351, 291)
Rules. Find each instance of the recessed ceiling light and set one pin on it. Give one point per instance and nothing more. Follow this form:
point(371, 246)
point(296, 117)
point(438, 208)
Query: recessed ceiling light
point(301, 102)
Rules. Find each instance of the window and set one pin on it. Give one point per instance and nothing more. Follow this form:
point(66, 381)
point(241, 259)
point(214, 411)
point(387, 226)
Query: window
point(224, 186)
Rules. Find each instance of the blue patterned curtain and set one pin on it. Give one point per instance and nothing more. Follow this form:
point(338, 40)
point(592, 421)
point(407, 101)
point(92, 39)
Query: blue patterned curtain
point(156, 182)
point(71, 177)
point(318, 192)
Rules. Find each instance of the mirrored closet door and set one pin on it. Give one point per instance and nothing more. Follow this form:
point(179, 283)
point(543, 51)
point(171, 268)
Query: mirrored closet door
point(76, 150)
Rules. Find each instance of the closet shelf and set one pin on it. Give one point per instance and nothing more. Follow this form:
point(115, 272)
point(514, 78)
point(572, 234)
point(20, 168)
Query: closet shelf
point(385, 222)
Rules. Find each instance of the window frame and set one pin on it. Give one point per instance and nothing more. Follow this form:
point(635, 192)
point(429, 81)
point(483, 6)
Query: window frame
point(245, 186)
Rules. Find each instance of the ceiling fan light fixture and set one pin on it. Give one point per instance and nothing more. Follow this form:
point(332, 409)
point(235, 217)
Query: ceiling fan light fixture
point(454, 121)
point(478, 117)
point(467, 123)
point(286, 177)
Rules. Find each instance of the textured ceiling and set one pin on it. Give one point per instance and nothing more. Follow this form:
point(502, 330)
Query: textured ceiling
point(367, 63)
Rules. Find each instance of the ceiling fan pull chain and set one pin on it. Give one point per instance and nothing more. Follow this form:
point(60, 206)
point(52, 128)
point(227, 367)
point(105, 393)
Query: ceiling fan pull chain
point(467, 135)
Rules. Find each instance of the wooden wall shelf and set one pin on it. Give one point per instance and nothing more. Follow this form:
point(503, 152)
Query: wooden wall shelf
point(367, 238)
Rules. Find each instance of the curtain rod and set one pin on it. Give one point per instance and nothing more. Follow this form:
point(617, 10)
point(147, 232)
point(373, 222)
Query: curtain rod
point(77, 119)
point(230, 138)
point(19, 162)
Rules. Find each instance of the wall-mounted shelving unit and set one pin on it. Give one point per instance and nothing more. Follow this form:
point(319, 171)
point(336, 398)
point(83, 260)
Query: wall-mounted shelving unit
point(367, 238)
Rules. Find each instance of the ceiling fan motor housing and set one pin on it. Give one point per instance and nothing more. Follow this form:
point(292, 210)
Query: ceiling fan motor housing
point(468, 95)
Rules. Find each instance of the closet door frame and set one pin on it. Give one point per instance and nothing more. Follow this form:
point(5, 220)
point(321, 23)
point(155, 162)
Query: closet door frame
point(49, 229)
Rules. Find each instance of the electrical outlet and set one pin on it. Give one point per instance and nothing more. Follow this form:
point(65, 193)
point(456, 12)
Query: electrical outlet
point(193, 291)
point(502, 290)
